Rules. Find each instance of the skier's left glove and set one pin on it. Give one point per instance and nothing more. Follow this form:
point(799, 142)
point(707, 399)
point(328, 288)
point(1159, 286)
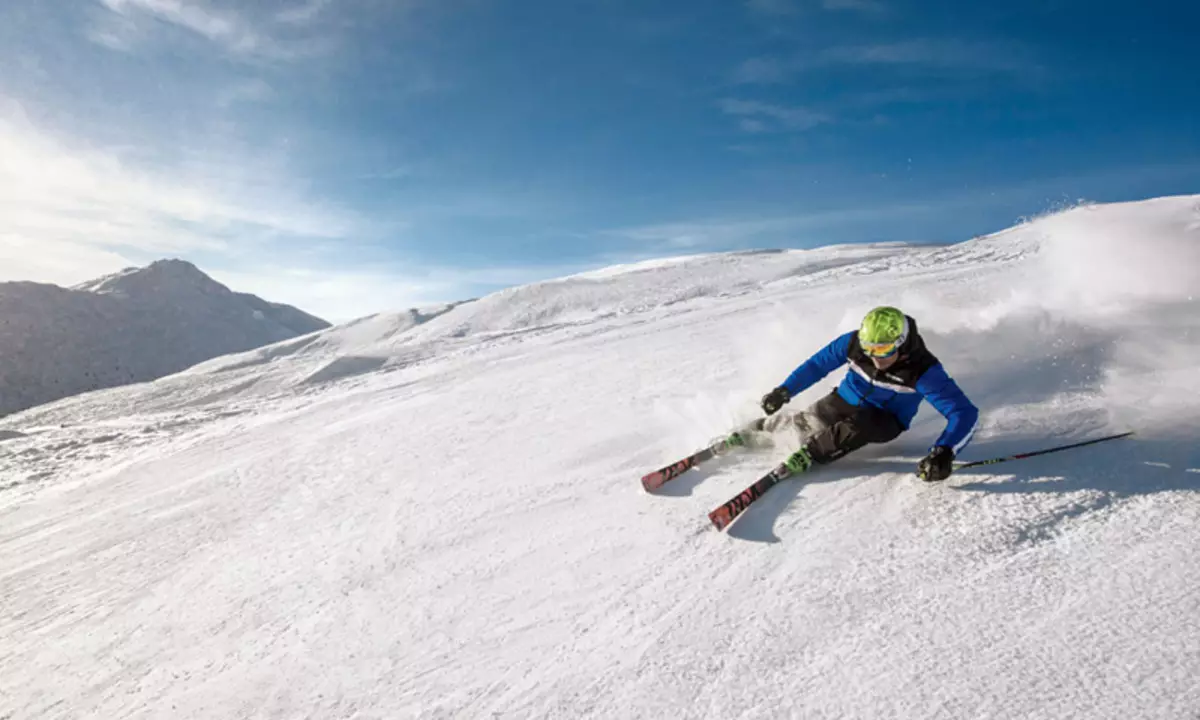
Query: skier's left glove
point(937, 465)
point(776, 399)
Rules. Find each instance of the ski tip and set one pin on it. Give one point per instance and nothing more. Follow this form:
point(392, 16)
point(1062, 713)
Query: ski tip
point(720, 518)
point(652, 482)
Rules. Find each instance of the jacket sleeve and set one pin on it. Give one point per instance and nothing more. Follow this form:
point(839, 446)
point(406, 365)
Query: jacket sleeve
point(962, 417)
point(826, 360)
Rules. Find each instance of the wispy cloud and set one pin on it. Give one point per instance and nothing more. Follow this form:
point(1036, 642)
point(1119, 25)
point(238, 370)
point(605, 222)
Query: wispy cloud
point(943, 54)
point(940, 56)
point(71, 211)
point(303, 13)
point(762, 117)
point(114, 32)
point(130, 23)
point(706, 233)
point(761, 71)
point(224, 28)
point(199, 160)
point(56, 196)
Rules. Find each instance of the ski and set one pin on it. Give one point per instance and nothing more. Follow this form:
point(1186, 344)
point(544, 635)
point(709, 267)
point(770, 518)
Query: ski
point(662, 476)
point(727, 513)
point(658, 478)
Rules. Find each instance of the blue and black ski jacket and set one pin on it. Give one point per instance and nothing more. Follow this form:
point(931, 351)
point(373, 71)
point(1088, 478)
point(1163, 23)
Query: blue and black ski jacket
point(915, 376)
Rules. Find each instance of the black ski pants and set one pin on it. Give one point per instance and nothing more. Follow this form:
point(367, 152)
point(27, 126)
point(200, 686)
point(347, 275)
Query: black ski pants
point(843, 428)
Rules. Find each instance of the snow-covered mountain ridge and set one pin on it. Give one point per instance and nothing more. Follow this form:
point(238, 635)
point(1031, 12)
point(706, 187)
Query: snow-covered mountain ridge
point(133, 326)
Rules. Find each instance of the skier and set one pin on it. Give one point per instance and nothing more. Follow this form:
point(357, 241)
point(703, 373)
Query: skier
point(890, 372)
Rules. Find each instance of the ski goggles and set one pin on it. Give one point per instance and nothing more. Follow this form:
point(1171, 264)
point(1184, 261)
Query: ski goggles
point(882, 350)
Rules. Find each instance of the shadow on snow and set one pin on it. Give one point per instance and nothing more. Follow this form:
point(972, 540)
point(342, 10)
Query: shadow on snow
point(1118, 469)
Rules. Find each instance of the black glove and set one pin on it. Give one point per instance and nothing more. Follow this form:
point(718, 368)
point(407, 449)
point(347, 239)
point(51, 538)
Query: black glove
point(775, 399)
point(937, 465)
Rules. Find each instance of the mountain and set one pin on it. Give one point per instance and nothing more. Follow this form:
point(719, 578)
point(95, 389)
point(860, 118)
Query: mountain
point(439, 514)
point(130, 327)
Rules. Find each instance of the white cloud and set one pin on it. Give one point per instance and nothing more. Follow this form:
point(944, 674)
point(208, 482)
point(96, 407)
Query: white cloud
point(949, 54)
point(707, 233)
point(751, 125)
point(42, 260)
point(224, 28)
point(755, 114)
point(149, 163)
point(68, 213)
point(912, 52)
point(761, 71)
point(970, 58)
point(115, 32)
point(773, 231)
point(304, 13)
point(132, 22)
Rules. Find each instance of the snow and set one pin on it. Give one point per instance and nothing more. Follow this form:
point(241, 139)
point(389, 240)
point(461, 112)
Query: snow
point(136, 325)
point(442, 518)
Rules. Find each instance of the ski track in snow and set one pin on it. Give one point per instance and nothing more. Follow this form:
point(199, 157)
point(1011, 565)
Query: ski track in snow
point(443, 519)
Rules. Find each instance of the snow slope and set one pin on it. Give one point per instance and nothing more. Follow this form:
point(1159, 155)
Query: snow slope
point(453, 526)
point(133, 326)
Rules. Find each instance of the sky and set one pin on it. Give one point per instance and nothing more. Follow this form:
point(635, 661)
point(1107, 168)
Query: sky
point(361, 156)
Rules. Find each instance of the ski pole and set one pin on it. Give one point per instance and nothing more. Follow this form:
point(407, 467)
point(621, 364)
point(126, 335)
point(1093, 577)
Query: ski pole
point(1022, 456)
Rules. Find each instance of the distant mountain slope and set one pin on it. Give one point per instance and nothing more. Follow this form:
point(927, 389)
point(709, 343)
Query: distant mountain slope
point(133, 326)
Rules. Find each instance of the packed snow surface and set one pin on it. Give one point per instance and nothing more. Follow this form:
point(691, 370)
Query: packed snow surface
point(441, 516)
point(133, 326)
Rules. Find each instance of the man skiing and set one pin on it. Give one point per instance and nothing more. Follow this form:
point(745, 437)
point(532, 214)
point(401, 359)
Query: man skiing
point(890, 372)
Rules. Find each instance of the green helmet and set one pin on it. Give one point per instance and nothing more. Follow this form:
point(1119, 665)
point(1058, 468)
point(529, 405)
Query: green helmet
point(883, 331)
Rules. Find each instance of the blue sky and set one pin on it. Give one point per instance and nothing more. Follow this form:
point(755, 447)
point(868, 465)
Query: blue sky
point(354, 156)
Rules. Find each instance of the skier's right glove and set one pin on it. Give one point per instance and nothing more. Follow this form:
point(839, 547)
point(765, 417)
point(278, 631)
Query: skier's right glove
point(775, 399)
point(937, 465)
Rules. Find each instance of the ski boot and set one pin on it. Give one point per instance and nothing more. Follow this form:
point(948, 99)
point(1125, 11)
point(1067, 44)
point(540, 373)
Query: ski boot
point(728, 443)
point(799, 461)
